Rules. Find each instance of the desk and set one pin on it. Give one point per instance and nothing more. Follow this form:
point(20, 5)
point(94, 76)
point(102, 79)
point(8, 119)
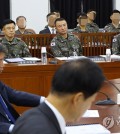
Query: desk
point(105, 111)
point(37, 78)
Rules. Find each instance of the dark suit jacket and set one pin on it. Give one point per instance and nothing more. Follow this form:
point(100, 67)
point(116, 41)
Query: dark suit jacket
point(45, 31)
point(15, 97)
point(39, 120)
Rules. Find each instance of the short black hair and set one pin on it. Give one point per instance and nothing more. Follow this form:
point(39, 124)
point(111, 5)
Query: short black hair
point(3, 49)
point(80, 75)
point(59, 19)
point(7, 21)
point(52, 13)
point(20, 17)
point(115, 11)
point(82, 15)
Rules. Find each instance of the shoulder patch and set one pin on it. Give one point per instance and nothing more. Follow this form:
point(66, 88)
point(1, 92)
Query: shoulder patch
point(52, 44)
point(114, 40)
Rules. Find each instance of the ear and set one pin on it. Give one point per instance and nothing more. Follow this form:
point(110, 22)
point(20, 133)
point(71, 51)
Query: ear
point(78, 98)
point(111, 17)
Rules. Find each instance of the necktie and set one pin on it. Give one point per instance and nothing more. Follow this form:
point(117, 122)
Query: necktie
point(53, 30)
point(6, 110)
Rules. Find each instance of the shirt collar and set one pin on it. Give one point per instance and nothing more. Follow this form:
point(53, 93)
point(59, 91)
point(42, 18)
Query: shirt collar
point(58, 115)
point(50, 28)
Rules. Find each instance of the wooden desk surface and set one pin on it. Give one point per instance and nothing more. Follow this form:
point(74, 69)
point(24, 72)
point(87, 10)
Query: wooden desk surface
point(37, 79)
point(109, 114)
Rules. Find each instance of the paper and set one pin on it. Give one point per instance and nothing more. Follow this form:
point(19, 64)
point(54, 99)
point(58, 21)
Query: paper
point(71, 58)
point(32, 58)
point(112, 56)
point(13, 60)
point(87, 129)
point(91, 113)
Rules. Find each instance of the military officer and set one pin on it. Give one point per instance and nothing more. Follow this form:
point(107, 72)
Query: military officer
point(65, 44)
point(91, 26)
point(114, 26)
point(82, 22)
point(85, 23)
point(116, 45)
point(15, 46)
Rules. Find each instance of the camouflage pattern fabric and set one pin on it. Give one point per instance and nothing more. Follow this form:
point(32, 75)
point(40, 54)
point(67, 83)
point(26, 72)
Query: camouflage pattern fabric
point(111, 28)
point(25, 32)
point(90, 28)
point(65, 47)
point(116, 44)
point(15, 48)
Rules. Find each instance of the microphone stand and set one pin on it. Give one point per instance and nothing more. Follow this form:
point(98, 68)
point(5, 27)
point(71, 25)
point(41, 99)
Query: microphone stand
point(53, 61)
point(108, 101)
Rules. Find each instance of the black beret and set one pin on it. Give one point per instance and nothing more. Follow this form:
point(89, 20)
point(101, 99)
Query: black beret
point(7, 21)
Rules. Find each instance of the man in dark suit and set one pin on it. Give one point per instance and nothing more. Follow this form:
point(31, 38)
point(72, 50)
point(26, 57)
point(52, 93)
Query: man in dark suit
point(8, 96)
point(50, 28)
point(74, 87)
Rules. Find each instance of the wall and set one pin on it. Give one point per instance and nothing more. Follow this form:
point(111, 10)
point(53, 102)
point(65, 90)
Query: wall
point(117, 5)
point(34, 10)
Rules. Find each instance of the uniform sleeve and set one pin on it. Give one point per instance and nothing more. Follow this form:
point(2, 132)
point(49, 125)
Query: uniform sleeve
point(80, 46)
point(25, 51)
point(116, 45)
point(55, 48)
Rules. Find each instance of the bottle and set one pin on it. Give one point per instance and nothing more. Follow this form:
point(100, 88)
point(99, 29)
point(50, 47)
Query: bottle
point(43, 55)
point(108, 55)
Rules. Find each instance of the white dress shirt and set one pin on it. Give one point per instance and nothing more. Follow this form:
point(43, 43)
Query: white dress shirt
point(51, 30)
point(59, 117)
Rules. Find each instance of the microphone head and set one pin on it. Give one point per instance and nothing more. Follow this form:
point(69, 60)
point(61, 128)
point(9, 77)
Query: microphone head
point(108, 101)
point(53, 62)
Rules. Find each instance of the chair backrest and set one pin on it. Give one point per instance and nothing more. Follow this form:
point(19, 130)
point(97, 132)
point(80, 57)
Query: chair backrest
point(31, 30)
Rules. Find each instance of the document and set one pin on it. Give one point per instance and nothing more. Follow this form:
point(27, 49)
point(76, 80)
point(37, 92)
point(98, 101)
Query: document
point(71, 58)
point(91, 113)
point(32, 58)
point(87, 129)
point(14, 60)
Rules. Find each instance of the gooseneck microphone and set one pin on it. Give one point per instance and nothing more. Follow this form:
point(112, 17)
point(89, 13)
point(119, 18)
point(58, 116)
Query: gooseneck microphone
point(54, 60)
point(108, 101)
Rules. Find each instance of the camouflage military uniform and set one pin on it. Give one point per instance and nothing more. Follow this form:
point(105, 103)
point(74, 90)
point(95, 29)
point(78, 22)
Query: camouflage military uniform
point(25, 32)
point(15, 48)
point(78, 30)
point(111, 28)
point(65, 47)
point(90, 28)
point(116, 44)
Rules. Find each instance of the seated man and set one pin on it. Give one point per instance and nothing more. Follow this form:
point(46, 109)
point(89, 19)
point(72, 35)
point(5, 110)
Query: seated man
point(21, 23)
point(114, 26)
point(15, 46)
point(64, 44)
point(9, 96)
point(91, 26)
point(82, 22)
point(50, 28)
point(74, 87)
point(116, 45)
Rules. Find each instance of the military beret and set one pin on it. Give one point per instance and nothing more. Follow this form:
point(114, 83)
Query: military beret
point(7, 21)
